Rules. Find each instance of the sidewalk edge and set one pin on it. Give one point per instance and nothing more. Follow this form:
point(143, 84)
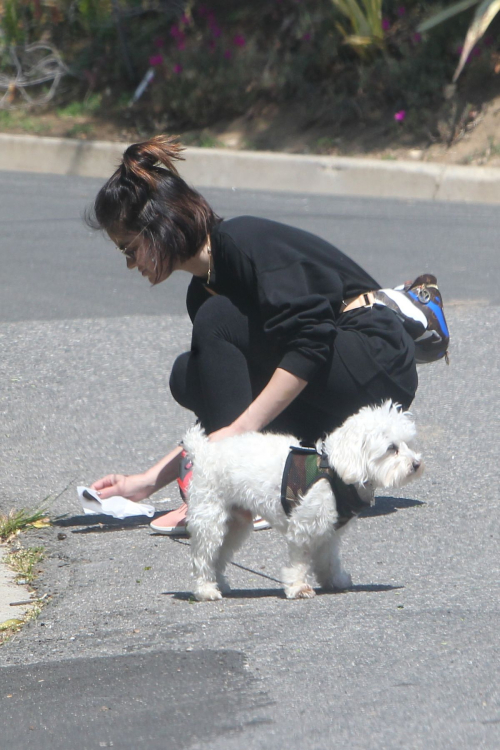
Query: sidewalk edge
point(259, 170)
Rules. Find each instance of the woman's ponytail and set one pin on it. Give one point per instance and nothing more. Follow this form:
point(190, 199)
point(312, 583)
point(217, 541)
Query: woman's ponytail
point(141, 159)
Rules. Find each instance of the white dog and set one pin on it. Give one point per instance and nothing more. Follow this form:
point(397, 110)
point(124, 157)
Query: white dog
point(241, 477)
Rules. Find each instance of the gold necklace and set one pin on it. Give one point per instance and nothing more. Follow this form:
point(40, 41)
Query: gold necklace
point(209, 251)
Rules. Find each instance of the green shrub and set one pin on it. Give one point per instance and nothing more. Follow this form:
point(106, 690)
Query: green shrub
point(215, 60)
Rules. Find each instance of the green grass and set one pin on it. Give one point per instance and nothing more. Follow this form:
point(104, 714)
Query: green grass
point(325, 144)
point(18, 119)
point(208, 141)
point(493, 148)
point(6, 118)
point(17, 520)
point(24, 561)
point(79, 108)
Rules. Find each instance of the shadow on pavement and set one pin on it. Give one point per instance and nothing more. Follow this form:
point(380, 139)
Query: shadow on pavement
point(158, 700)
point(386, 505)
point(280, 594)
point(89, 524)
point(103, 522)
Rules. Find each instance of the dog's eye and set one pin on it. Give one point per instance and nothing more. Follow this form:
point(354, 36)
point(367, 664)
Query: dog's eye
point(393, 448)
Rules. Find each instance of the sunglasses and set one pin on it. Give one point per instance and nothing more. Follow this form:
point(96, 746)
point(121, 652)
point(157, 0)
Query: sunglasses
point(126, 249)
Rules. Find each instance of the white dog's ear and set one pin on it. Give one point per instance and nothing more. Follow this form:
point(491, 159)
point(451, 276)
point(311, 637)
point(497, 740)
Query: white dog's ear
point(346, 446)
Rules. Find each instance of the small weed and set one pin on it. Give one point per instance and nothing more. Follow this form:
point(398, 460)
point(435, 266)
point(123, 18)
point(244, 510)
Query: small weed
point(208, 141)
point(20, 120)
point(493, 148)
point(77, 109)
point(6, 118)
point(17, 520)
point(123, 100)
point(9, 628)
point(24, 561)
point(31, 126)
point(73, 109)
point(325, 144)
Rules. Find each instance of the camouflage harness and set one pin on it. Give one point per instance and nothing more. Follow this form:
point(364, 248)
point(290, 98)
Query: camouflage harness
point(303, 468)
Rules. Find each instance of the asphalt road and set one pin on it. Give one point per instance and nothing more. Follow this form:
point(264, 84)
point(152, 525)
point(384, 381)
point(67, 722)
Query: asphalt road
point(121, 657)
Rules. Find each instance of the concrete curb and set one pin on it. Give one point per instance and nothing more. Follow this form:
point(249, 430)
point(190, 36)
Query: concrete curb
point(11, 592)
point(265, 171)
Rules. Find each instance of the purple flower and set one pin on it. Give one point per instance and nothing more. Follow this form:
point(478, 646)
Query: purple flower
point(159, 43)
point(228, 54)
point(155, 60)
point(417, 38)
point(386, 24)
point(401, 11)
point(185, 20)
point(213, 25)
point(179, 36)
point(306, 37)
point(239, 40)
point(400, 116)
point(177, 68)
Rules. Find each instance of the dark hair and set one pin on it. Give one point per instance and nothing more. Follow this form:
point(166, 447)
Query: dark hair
point(146, 194)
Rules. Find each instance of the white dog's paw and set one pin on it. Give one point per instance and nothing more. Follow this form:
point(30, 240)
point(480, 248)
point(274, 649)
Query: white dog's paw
point(207, 592)
point(300, 591)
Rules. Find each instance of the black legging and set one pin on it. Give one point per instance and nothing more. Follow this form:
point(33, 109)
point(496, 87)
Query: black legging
point(231, 361)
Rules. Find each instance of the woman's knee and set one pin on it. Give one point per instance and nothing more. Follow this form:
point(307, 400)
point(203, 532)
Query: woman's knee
point(218, 318)
point(178, 381)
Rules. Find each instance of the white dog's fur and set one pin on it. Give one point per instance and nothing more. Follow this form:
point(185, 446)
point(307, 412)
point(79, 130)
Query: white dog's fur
point(244, 473)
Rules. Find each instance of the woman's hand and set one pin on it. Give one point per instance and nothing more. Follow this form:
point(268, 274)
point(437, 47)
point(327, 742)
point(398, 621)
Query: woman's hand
point(134, 487)
point(137, 487)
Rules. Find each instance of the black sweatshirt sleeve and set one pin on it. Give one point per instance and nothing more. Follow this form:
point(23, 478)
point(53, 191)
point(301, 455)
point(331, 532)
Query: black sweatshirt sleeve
point(298, 320)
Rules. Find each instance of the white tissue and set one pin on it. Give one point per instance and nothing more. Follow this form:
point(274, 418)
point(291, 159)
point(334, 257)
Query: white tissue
point(116, 506)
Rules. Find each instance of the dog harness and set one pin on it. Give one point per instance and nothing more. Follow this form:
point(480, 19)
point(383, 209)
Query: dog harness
point(303, 468)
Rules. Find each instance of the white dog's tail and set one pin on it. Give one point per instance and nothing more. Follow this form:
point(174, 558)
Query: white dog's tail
point(195, 440)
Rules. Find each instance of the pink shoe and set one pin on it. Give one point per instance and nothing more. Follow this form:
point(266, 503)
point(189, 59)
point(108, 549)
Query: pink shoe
point(185, 474)
point(259, 524)
point(172, 523)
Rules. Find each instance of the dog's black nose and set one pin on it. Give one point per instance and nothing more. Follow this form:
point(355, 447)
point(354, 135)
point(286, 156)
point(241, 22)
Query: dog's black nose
point(416, 465)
